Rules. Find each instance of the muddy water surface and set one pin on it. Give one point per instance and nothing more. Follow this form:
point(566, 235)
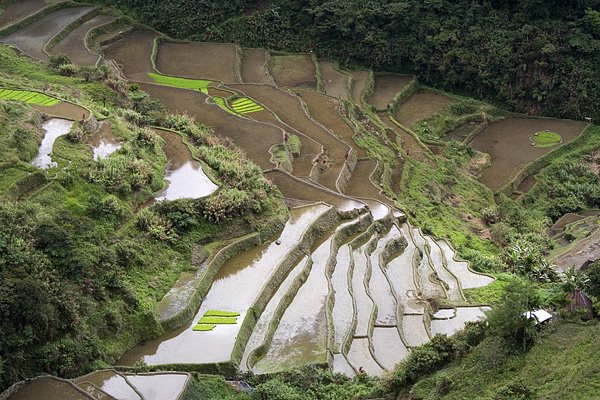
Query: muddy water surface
point(359, 82)
point(453, 325)
point(18, 10)
point(185, 177)
point(104, 143)
point(301, 337)
point(336, 82)
point(413, 329)
point(437, 257)
point(342, 366)
point(343, 309)
point(54, 129)
point(379, 287)
point(467, 278)
point(48, 389)
point(363, 303)
point(112, 383)
point(32, 38)
point(254, 66)
point(243, 275)
point(386, 87)
point(388, 347)
point(159, 386)
point(261, 329)
point(360, 356)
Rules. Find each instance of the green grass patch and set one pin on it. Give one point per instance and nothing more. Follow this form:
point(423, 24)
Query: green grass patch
point(218, 320)
point(182, 83)
point(28, 97)
point(204, 327)
point(219, 101)
point(9, 176)
point(492, 293)
point(545, 139)
point(220, 313)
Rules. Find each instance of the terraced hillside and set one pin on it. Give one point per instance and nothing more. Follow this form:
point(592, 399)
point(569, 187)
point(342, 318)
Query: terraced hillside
point(373, 281)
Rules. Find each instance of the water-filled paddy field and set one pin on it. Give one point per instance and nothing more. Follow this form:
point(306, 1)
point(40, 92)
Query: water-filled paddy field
point(509, 145)
point(294, 70)
point(386, 87)
point(32, 39)
point(212, 61)
point(54, 128)
point(254, 66)
point(18, 10)
point(132, 53)
point(421, 105)
point(74, 45)
point(336, 82)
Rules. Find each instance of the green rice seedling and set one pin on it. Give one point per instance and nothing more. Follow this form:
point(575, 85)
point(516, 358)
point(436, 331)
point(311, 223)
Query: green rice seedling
point(28, 97)
point(220, 313)
point(546, 139)
point(204, 327)
point(182, 83)
point(218, 320)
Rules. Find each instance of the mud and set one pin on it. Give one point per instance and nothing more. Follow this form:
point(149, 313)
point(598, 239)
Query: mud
point(254, 66)
point(133, 54)
point(386, 87)
point(294, 70)
point(420, 106)
point(19, 10)
point(336, 82)
point(359, 79)
point(74, 45)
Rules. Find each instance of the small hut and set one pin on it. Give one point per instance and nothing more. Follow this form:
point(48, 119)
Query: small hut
point(579, 302)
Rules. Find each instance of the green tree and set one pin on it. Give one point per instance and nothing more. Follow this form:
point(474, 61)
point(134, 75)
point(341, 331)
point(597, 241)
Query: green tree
point(508, 319)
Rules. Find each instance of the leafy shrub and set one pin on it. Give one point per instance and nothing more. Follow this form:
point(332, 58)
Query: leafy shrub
point(226, 204)
point(461, 108)
point(58, 60)
point(121, 173)
point(156, 225)
point(68, 70)
point(514, 390)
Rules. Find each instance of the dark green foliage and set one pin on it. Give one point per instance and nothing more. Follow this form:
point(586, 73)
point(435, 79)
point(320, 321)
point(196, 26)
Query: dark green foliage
point(506, 320)
point(514, 390)
point(58, 60)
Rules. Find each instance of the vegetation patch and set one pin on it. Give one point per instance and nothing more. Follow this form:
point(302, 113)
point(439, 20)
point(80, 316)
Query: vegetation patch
point(244, 105)
point(218, 320)
point(182, 83)
point(220, 313)
point(204, 327)
point(545, 139)
point(28, 97)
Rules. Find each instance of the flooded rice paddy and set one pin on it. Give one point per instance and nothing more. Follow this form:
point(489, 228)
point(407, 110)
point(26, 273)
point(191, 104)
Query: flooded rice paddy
point(386, 87)
point(185, 177)
point(104, 143)
point(53, 128)
point(243, 275)
point(336, 82)
point(74, 45)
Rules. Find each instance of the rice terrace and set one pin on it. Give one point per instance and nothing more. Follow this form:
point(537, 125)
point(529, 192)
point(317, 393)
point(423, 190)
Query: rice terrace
point(224, 210)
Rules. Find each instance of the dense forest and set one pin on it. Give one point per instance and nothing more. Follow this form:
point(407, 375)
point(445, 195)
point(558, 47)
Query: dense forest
point(537, 57)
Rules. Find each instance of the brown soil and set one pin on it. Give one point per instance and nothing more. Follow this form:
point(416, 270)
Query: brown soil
point(325, 110)
point(303, 163)
point(254, 66)
point(508, 144)
point(133, 53)
point(460, 133)
point(253, 137)
point(421, 105)
point(32, 39)
point(19, 10)
point(295, 188)
point(361, 186)
point(386, 87)
point(409, 144)
point(335, 82)
point(74, 45)
point(527, 184)
point(212, 61)
point(64, 110)
point(289, 109)
point(294, 70)
point(219, 92)
point(359, 83)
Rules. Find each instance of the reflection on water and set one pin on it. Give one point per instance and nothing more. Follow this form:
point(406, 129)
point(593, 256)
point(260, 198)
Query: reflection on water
point(54, 128)
point(185, 177)
point(104, 143)
point(234, 288)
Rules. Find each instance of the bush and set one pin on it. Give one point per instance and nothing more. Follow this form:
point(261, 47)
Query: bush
point(515, 390)
point(68, 70)
point(58, 60)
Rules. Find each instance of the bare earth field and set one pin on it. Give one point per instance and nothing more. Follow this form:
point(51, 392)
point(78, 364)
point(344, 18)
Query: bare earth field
point(360, 185)
point(132, 53)
point(359, 79)
point(386, 87)
point(74, 44)
point(19, 10)
point(211, 61)
point(294, 70)
point(508, 144)
point(32, 39)
point(254, 137)
point(421, 105)
point(335, 82)
point(254, 66)
point(324, 110)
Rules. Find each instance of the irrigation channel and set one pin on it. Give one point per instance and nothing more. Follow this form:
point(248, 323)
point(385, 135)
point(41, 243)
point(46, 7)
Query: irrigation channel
point(347, 283)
